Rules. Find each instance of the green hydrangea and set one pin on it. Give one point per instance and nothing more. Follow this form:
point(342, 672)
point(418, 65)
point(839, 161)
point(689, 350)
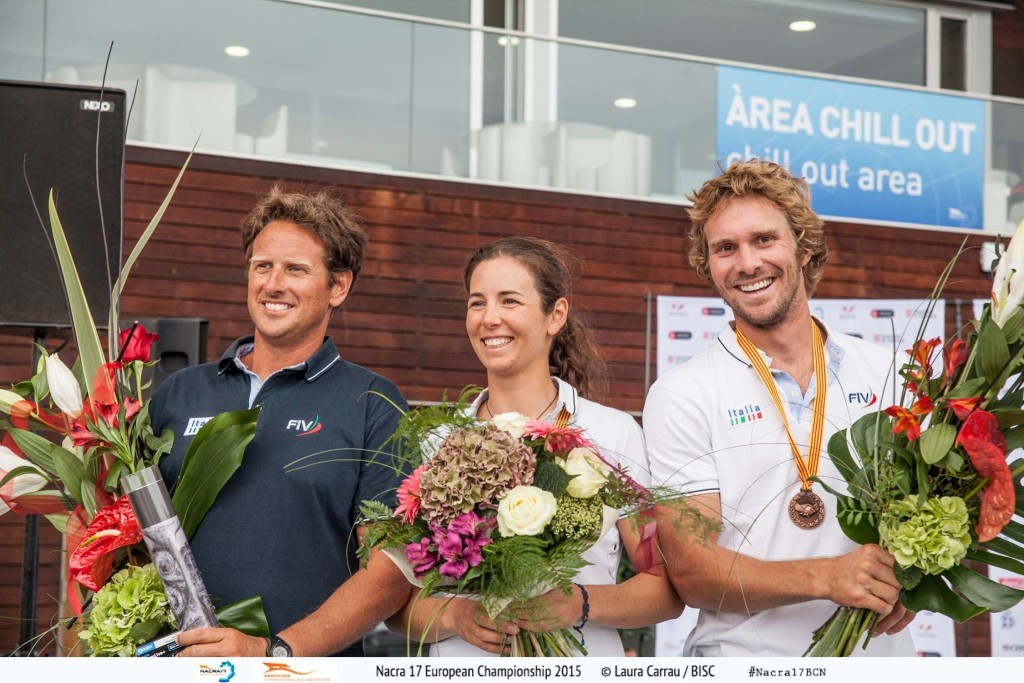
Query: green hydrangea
point(577, 518)
point(132, 598)
point(933, 538)
point(473, 466)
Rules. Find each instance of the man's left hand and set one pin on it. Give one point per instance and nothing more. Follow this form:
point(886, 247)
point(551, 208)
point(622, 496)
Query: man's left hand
point(220, 642)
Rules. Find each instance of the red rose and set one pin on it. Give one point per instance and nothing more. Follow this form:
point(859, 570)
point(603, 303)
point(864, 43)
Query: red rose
point(138, 347)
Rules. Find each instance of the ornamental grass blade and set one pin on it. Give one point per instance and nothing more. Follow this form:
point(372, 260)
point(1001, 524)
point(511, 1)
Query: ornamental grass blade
point(89, 349)
point(115, 294)
point(983, 591)
point(212, 458)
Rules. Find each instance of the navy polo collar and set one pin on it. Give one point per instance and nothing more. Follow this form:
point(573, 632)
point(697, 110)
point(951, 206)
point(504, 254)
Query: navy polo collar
point(316, 365)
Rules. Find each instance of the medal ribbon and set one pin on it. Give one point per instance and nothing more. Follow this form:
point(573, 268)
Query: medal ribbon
point(809, 467)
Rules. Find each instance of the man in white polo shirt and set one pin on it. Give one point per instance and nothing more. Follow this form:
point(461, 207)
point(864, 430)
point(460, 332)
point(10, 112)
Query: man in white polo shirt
point(717, 427)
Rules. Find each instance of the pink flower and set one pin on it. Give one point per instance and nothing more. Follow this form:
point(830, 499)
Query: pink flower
point(460, 544)
point(557, 440)
point(422, 555)
point(409, 496)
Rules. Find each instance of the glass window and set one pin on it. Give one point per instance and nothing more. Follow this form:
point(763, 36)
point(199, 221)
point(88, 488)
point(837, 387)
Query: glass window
point(449, 10)
point(953, 51)
point(861, 39)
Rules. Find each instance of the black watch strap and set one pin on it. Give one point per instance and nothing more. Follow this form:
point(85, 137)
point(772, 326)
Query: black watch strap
point(277, 647)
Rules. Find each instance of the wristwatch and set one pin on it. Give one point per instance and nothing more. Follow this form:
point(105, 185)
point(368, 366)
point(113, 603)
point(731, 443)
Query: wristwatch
point(276, 647)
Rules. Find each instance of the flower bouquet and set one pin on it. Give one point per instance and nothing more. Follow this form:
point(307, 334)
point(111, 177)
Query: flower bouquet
point(501, 511)
point(928, 478)
point(98, 408)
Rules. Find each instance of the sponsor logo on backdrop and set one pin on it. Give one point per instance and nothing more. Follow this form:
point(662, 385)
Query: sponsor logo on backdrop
point(289, 671)
point(680, 334)
point(194, 425)
point(882, 313)
point(223, 673)
point(744, 415)
point(712, 310)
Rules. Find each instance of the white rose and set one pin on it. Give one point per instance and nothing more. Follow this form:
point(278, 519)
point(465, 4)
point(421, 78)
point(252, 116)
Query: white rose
point(589, 473)
point(513, 423)
point(525, 511)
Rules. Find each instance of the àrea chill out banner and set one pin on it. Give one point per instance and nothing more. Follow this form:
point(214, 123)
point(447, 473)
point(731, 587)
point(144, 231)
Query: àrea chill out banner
point(866, 151)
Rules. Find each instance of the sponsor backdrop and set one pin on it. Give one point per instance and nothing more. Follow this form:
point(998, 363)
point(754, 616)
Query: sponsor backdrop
point(688, 325)
point(866, 151)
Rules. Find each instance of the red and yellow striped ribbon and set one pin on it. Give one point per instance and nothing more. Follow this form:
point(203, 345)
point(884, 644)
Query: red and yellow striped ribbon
point(809, 467)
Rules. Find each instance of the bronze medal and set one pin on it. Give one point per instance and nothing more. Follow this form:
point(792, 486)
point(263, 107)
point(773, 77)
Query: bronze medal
point(807, 510)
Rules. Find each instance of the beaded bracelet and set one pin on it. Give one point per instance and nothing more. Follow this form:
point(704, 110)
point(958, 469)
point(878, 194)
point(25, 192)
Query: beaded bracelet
point(586, 613)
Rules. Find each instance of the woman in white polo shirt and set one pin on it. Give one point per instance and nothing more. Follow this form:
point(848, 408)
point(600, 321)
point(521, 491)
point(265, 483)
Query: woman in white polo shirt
point(540, 357)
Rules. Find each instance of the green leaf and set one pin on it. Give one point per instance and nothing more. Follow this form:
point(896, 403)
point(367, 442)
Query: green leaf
point(908, 577)
point(993, 352)
point(936, 441)
point(865, 433)
point(245, 615)
point(1008, 417)
point(18, 471)
point(89, 349)
point(145, 631)
point(934, 595)
point(1004, 547)
point(551, 478)
point(968, 388)
point(858, 529)
point(951, 463)
point(1014, 530)
point(69, 469)
point(1013, 328)
point(1014, 438)
point(34, 447)
point(983, 591)
point(839, 451)
point(212, 457)
point(114, 320)
point(996, 560)
point(59, 522)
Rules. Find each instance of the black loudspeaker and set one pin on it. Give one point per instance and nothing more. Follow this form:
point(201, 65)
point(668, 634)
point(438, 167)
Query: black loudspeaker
point(48, 135)
point(182, 344)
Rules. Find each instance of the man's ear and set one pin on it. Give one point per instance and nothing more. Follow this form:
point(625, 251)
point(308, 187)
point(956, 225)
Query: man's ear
point(341, 287)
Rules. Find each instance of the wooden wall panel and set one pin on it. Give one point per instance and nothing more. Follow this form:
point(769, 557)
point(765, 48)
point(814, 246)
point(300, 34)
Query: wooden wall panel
point(404, 318)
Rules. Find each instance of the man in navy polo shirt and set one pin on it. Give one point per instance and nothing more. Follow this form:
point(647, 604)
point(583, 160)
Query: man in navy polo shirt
point(283, 527)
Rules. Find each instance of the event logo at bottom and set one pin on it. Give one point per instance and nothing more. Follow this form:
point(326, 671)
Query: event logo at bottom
point(222, 674)
point(295, 670)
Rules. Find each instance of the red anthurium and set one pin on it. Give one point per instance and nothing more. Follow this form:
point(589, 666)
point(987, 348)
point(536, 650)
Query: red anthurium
point(139, 346)
point(923, 350)
point(962, 407)
point(984, 442)
point(131, 408)
point(906, 420)
point(114, 526)
point(954, 356)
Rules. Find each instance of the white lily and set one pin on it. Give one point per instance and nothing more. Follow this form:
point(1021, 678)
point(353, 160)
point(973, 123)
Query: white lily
point(20, 485)
point(64, 389)
point(7, 400)
point(1008, 281)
